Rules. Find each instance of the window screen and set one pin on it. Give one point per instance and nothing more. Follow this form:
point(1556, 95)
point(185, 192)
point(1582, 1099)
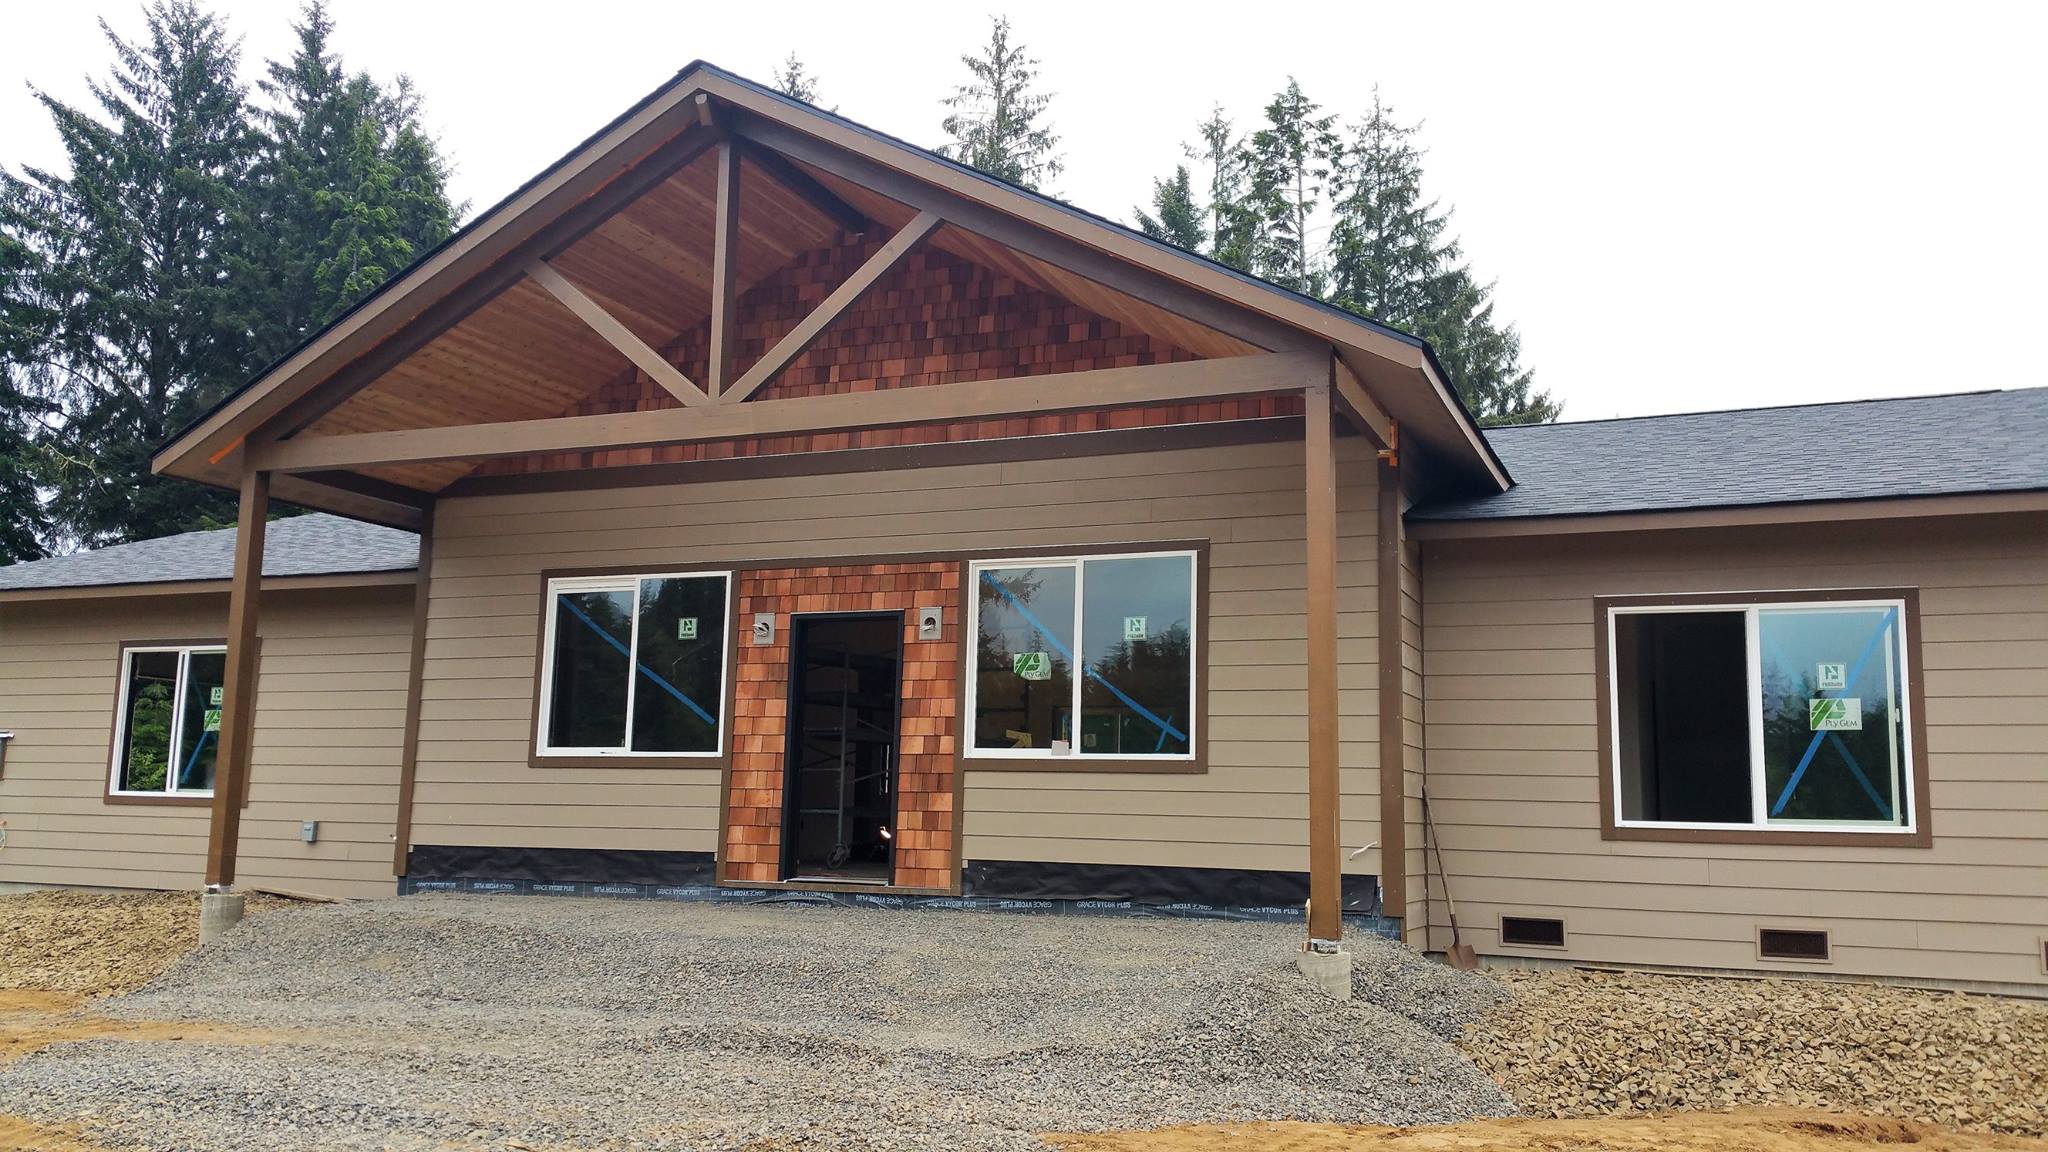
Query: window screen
point(1761, 715)
point(169, 724)
point(636, 665)
point(1088, 656)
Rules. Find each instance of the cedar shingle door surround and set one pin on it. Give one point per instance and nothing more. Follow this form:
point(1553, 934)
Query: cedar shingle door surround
point(927, 817)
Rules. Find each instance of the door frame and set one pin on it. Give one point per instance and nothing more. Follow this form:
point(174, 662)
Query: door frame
point(792, 733)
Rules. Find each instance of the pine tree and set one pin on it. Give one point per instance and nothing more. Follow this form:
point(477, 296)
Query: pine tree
point(795, 82)
point(24, 524)
point(1289, 162)
point(347, 190)
point(999, 125)
point(124, 286)
point(1392, 260)
point(1179, 219)
point(1481, 358)
point(1233, 226)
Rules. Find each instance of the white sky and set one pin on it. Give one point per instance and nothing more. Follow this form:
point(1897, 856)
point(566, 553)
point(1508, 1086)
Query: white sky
point(1686, 207)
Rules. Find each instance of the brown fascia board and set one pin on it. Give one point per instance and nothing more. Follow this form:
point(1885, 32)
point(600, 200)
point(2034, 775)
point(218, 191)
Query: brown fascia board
point(1390, 358)
point(1732, 516)
point(388, 579)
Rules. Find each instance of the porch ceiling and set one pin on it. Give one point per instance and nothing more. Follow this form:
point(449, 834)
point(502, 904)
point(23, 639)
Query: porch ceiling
point(523, 355)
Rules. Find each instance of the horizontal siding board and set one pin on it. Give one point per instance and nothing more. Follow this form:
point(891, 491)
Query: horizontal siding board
point(1511, 736)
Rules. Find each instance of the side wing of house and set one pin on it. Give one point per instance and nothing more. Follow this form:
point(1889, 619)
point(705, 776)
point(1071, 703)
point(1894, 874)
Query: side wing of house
point(107, 775)
point(1900, 836)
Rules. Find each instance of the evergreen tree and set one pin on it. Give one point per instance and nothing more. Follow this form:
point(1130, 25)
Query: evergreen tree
point(999, 123)
point(1289, 163)
point(1233, 226)
point(122, 282)
point(1392, 259)
point(1482, 359)
point(347, 190)
point(1179, 219)
point(191, 242)
point(24, 524)
point(795, 82)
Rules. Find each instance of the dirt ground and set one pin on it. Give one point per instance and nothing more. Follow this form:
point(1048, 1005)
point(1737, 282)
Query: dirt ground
point(64, 950)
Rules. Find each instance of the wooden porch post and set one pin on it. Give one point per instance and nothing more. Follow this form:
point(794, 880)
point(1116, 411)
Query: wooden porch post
point(231, 760)
point(1325, 864)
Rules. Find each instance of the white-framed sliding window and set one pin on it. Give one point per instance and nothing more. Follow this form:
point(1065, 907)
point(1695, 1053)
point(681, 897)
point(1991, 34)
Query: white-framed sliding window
point(167, 720)
point(1084, 658)
point(1761, 713)
point(634, 665)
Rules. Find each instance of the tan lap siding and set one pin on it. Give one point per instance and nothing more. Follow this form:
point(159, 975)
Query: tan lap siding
point(330, 723)
point(330, 709)
point(1247, 810)
point(1513, 771)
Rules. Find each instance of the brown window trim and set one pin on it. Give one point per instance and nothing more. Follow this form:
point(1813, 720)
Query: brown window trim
point(963, 763)
point(145, 799)
point(638, 760)
point(1922, 835)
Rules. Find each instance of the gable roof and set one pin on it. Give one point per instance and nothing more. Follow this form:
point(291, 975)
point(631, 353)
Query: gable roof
point(316, 544)
point(1400, 370)
point(1969, 442)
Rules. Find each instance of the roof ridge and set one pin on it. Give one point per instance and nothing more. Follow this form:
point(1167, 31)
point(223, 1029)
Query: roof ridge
point(1763, 408)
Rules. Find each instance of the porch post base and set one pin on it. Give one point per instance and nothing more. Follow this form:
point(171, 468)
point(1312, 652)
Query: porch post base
point(218, 912)
point(1329, 971)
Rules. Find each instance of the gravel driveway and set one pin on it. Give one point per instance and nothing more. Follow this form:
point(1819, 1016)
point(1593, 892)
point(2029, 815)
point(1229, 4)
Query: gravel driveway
point(529, 1023)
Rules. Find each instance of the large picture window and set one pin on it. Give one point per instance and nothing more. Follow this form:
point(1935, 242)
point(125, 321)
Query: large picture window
point(1089, 656)
point(167, 728)
point(1761, 715)
point(634, 665)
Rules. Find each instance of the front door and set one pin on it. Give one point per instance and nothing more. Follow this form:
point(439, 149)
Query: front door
point(839, 789)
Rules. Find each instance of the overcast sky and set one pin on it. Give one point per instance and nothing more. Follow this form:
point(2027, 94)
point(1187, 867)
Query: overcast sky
point(1685, 207)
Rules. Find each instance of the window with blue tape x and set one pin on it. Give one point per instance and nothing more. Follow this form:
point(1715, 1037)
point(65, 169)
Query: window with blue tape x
point(635, 665)
point(1089, 656)
point(1765, 715)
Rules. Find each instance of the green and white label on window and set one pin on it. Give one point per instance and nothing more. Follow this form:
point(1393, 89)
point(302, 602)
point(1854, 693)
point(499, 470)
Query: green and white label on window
point(1834, 714)
point(1832, 677)
point(213, 697)
point(1134, 627)
point(686, 628)
point(213, 718)
point(1031, 665)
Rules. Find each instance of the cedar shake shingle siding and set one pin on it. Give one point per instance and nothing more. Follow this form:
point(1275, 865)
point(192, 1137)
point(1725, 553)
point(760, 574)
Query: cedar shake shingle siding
point(927, 740)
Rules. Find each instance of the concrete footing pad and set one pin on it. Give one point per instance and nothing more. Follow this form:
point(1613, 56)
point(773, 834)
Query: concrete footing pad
point(1331, 971)
point(218, 912)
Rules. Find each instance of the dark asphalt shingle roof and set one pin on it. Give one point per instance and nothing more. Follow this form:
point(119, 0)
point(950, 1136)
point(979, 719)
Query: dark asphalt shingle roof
point(1861, 450)
point(315, 544)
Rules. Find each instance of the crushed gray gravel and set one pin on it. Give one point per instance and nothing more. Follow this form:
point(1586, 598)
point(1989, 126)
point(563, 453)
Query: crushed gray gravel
point(525, 1022)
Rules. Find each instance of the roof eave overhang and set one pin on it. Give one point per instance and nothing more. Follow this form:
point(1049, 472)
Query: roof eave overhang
point(1399, 369)
point(404, 577)
point(1730, 516)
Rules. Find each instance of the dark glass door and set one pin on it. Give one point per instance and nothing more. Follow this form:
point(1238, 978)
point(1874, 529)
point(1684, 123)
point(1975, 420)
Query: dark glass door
point(840, 784)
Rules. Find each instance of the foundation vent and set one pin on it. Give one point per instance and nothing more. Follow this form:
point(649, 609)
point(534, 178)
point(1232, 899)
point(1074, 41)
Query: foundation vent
point(1532, 931)
point(1791, 944)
